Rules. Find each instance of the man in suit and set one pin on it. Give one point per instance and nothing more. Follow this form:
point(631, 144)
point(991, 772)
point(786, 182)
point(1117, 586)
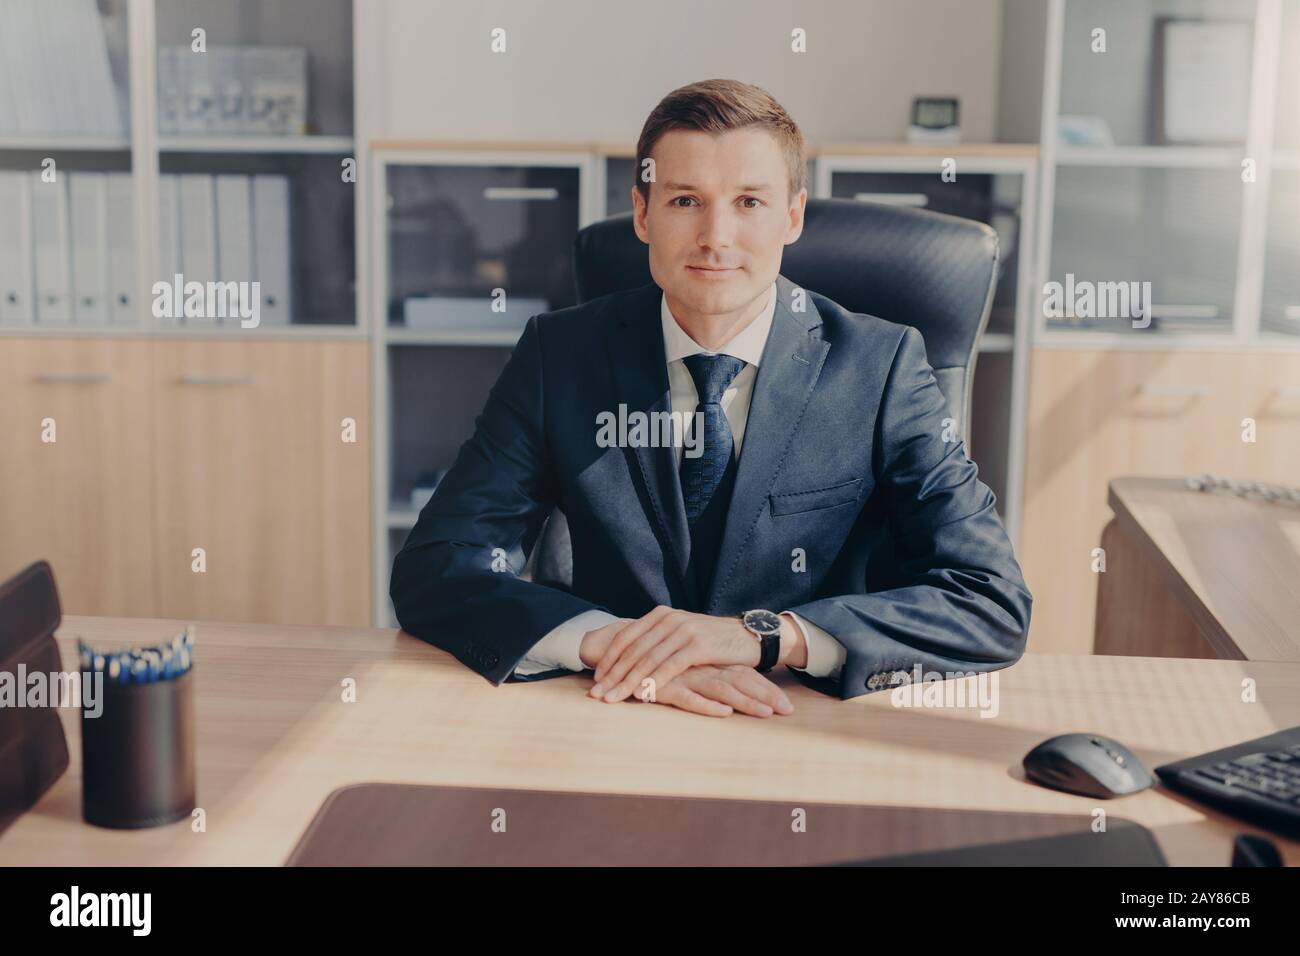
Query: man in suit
point(751, 474)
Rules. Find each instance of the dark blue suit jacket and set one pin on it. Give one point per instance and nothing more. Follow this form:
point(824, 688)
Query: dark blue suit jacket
point(906, 561)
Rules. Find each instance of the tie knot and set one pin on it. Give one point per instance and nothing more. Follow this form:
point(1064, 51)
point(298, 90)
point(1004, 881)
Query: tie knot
point(712, 374)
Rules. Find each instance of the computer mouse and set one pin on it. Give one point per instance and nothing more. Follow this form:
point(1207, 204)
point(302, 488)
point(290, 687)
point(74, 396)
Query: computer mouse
point(1087, 764)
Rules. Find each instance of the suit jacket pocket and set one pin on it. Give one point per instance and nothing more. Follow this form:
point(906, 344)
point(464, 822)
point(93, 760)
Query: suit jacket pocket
point(818, 499)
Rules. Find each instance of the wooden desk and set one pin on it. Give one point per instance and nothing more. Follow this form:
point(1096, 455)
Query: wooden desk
point(275, 737)
point(1198, 574)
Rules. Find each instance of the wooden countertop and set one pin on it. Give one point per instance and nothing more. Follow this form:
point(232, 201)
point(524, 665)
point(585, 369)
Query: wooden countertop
point(1234, 563)
point(275, 738)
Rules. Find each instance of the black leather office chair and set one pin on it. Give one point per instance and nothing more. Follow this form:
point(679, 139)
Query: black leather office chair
point(931, 271)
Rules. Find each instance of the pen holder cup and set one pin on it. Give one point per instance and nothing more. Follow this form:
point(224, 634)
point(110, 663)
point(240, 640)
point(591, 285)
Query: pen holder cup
point(138, 755)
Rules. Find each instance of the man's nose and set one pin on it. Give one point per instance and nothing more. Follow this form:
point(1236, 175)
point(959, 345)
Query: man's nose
point(718, 228)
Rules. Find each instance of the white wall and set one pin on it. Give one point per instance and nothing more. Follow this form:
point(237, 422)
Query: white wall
point(593, 69)
point(1020, 79)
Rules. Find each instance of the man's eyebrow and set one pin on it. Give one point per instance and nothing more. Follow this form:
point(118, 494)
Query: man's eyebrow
point(747, 188)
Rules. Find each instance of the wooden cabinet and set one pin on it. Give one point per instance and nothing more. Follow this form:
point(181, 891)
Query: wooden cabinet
point(165, 446)
point(1096, 415)
point(82, 501)
point(250, 465)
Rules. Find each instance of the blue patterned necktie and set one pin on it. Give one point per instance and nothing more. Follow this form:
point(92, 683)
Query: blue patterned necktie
point(707, 480)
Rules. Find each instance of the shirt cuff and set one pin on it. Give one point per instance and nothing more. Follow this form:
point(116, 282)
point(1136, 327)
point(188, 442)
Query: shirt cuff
point(560, 647)
point(825, 654)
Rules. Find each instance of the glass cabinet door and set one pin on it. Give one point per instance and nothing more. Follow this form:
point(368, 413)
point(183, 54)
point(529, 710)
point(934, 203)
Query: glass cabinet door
point(990, 198)
point(1280, 300)
point(67, 192)
point(620, 177)
point(1280, 303)
point(479, 247)
point(257, 163)
point(1126, 241)
point(1155, 72)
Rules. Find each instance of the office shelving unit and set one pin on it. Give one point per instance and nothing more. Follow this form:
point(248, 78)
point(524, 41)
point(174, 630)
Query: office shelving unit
point(326, 220)
point(1210, 386)
point(457, 223)
point(1138, 209)
point(220, 437)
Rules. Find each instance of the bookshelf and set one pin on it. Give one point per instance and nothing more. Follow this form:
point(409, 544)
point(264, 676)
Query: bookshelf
point(1218, 242)
point(301, 249)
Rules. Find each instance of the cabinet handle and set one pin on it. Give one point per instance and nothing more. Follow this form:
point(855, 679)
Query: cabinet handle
point(1186, 391)
point(217, 380)
point(525, 193)
point(74, 378)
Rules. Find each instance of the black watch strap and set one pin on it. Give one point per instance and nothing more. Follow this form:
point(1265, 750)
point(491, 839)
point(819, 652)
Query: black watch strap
point(770, 648)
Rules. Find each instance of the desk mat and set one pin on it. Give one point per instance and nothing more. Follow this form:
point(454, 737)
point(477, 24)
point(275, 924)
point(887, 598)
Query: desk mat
point(381, 824)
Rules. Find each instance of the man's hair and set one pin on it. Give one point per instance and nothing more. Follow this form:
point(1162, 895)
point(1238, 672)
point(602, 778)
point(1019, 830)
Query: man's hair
point(715, 106)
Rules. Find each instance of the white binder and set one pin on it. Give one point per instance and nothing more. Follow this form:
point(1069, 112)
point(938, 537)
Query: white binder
point(123, 309)
point(235, 240)
point(50, 250)
point(88, 209)
point(198, 236)
point(15, 250)
point(271, 245)
point(169, 237)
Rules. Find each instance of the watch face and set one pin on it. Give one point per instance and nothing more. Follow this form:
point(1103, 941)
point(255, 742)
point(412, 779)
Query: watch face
point(763, 622)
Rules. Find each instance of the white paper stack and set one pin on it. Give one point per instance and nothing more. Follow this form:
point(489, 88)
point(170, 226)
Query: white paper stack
point(470, 313)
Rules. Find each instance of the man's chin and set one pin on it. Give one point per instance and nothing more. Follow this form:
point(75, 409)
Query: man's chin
point(713, 296)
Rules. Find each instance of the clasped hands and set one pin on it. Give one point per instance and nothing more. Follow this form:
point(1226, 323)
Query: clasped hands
point(694, 662)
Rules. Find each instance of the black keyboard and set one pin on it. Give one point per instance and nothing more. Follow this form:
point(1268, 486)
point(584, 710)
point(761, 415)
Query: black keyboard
point(1258, 781)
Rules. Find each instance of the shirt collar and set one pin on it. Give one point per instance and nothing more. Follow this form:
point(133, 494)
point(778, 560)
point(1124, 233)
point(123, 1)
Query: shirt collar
point(747, 345)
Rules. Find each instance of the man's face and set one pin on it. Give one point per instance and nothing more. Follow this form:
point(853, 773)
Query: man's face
point(718, 218)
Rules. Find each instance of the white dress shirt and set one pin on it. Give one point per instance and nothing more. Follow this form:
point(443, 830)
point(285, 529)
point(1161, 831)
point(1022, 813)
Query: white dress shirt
point(559, 648)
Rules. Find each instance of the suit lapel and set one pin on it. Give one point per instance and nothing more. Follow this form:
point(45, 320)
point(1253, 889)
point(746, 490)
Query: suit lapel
point(640, 374)
point(787, 373)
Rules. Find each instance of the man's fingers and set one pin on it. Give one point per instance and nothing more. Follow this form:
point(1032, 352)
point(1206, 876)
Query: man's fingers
point(626, 636)
point(757, 686)
point(683, 698)
point(728, 693)
point(674, 664)
point(621, 668)
point(669, 648)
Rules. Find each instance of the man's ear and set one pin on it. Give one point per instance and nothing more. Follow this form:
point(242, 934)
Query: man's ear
point(797, 206)
point(638, 216)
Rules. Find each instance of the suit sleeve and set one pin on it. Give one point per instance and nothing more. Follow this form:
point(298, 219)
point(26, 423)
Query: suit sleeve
point(963, 605)
point(455, 583)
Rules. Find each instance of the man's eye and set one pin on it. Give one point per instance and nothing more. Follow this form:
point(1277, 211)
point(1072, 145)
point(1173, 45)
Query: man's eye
point(752, 199)
point(681, 198)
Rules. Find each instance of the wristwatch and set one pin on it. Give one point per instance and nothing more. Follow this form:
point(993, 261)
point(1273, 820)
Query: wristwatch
point(766, 628)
